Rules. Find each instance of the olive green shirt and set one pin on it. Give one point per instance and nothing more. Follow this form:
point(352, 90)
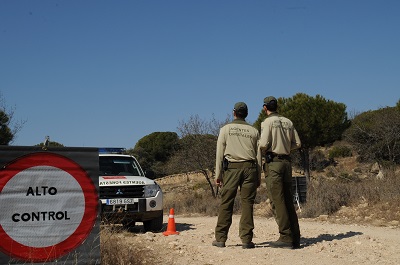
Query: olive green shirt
point(237, 142)
point(278, 135)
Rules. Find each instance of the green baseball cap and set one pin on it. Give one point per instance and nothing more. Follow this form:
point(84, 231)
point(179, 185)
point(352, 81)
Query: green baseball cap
point(240, 107)
point(269, 99)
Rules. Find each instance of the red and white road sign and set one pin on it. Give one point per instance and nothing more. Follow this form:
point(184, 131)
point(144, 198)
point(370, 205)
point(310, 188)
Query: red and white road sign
point(48, 206)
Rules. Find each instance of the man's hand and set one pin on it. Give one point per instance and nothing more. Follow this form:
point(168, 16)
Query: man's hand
point(218, 182)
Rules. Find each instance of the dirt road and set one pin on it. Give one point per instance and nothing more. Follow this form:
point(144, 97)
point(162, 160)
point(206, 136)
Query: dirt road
point(322, 243)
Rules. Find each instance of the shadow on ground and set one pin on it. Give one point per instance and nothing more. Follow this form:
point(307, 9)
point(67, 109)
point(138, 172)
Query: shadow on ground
point(327, 237)
point(309, 241)
point(138, 228)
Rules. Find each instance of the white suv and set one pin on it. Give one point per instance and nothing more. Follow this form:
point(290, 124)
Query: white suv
point(127, 194)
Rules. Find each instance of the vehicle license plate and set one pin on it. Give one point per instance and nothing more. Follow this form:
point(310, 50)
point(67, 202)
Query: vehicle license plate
point(119, 201)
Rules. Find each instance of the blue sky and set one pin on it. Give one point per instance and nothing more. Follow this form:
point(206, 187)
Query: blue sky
point(107, 73)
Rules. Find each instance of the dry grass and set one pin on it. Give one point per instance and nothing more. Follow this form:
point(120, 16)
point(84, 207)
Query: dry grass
point(367, 200)
point(188, 194)
point(191, 194)
point(116, 248)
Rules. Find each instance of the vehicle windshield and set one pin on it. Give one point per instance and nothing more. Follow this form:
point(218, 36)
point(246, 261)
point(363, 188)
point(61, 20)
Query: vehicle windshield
point(119, 166)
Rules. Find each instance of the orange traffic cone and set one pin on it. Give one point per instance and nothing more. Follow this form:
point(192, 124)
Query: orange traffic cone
point(171, 230)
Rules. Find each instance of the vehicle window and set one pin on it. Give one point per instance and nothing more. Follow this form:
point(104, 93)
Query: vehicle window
point(119, 166)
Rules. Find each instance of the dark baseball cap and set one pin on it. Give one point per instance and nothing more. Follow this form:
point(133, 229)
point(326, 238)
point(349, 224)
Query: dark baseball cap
point(269, 99)
point(240, 107)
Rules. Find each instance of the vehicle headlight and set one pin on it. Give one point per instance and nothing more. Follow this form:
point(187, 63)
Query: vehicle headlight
point(151, 190)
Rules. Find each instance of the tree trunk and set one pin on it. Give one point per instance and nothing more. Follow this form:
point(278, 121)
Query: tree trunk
point(209, 183)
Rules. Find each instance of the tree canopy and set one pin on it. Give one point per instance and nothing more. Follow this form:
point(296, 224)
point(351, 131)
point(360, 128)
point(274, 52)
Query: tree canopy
point(52, 143)
point(8, 126)
point(155, 149)
point(6, 135)
point(376, 134)
point(317, 120)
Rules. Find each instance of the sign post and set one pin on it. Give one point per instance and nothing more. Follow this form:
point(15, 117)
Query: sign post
point(49, 205)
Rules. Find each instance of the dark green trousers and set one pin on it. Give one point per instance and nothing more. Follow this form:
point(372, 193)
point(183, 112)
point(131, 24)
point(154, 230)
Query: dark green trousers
point(242, 176)
point(279, 189)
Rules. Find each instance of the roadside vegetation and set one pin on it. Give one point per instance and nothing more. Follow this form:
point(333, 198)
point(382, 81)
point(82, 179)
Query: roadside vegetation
point(352, 166)
point(115, 249)
point(372, 200)
point(365, 197)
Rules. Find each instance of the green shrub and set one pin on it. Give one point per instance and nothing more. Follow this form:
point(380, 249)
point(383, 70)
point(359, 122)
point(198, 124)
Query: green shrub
point(339, 151)
point(318, 161)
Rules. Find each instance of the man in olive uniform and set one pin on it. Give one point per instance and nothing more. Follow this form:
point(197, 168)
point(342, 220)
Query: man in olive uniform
point(237, 167)
point(278, 139)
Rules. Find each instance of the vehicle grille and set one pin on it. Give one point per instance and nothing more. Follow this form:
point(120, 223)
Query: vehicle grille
point(110, 192)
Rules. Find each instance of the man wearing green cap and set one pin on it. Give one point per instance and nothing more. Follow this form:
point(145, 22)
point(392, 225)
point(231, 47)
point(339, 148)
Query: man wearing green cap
point(278, 139)
point(237, 167)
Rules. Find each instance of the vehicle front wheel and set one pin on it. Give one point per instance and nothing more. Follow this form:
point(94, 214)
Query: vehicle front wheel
point(154, 225)
point(128, 224)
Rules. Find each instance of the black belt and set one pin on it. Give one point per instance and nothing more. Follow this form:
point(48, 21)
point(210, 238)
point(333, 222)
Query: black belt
point(244, 164)
point(282, 157)
point(269, 157)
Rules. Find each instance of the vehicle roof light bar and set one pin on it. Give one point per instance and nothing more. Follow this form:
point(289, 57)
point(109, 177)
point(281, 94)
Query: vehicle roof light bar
point(112, 150)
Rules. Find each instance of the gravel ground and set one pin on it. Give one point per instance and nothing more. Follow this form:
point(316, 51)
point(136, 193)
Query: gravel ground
point(321, 243)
